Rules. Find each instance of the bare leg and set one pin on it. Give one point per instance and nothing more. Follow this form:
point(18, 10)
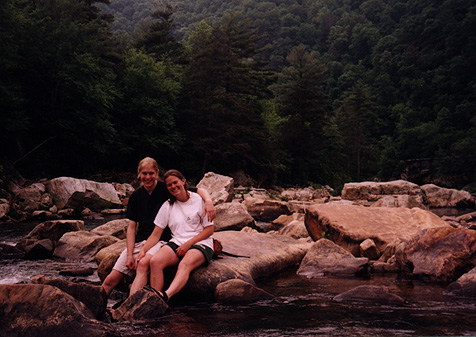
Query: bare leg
point(191, 261)
point(164, 258)
point(112, 280)
point(142, 274)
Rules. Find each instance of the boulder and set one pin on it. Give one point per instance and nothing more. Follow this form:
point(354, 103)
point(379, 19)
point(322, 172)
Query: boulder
point(10, 252)
point(239, 291)
point(39, 250)
point(80, 193)
point(465, 286)
point(52, 230)
point(82, 245)
point(295, 229)
point(117, 228)
point(232, 216)
point(114, 249)
point(284, 220)
point(408, 201)
point(4, 207)
point(256, 255)
point(445, 197)
point(218, 186)
point(350, 225)
point(370, 294)
point(369, 249)
point(327, 258)
point(305, 194)
point(30, 197)
point(39, 310)
point(143, 305)
point(94, 297)
point(373, 191)
point(439, 254)
point(266, 209)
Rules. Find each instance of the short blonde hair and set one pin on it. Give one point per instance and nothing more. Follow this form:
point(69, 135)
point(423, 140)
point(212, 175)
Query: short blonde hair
point(145, 162)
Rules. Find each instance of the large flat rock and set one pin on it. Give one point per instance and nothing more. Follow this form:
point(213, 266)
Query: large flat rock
point(349, 225)
point(262, 256)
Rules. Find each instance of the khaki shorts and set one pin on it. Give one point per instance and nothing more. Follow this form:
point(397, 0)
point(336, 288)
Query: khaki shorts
point(121, 262)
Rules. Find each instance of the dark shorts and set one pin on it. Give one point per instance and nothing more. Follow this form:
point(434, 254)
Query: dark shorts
point(207, 251)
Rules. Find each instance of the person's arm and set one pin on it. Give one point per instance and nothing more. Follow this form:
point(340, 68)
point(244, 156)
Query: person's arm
point(130, 243)
point(209, 210)
point(204, 234)
point(150, 242)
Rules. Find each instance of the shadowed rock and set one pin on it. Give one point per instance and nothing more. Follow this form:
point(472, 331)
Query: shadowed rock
point(239, 291)
point(370, 294)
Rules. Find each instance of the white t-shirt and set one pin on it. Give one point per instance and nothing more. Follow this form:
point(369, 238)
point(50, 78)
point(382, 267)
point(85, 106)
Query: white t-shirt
point(185, 220)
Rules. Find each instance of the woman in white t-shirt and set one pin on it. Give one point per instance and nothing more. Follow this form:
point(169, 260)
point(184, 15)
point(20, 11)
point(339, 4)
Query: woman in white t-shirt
point(191, 244)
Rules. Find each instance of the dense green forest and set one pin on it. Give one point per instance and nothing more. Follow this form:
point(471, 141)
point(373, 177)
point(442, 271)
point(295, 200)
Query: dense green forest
point(289, 92)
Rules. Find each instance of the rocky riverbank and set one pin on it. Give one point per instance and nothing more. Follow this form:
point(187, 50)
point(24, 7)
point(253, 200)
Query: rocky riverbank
point(371, 228)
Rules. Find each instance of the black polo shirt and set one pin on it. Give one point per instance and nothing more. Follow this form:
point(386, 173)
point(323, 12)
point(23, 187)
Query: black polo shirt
point(143, 207)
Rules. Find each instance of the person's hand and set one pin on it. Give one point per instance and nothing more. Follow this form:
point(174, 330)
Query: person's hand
point(138, 258)
point(210, 211)
point(130, 263)
point(183, 249)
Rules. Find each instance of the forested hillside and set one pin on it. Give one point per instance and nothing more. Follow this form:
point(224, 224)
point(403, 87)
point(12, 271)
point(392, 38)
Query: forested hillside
point(289, 92)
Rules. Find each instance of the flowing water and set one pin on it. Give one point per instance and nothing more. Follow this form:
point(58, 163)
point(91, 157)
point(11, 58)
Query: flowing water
point(301, 307)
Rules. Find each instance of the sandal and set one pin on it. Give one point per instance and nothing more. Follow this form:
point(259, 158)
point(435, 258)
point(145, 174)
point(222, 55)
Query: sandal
point(162, 295)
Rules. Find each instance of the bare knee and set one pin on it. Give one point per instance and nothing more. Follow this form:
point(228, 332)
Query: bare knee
point(143, 265)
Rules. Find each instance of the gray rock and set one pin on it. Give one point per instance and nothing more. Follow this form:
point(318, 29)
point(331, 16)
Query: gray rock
point(82, 245)
point(239, 291)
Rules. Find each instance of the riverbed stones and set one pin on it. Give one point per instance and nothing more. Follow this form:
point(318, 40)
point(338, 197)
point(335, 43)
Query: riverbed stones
point(350, 225)
point(52, 230)
point(326, 258)
point(38, 310)
point(370, 294)
point(82, 245)
point(117, 228)
point(439, 254)
point(93, 296)
point(373, 191)
point(239, 291)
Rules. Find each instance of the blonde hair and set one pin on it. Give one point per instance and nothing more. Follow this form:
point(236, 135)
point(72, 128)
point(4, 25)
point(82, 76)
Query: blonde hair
point(145, 162)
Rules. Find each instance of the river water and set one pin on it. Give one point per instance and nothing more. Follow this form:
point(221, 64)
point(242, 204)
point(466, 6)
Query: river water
point(301, 307)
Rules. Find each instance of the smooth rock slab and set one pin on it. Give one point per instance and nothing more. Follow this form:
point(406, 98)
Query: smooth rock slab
point(349, 225)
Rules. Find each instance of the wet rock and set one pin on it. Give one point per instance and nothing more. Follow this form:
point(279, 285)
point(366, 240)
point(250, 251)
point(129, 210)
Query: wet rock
point(349, 225)
point(82, 245)
point(52, 230)
point(444, 197)
point(39, 310)
point(327, 258)
point(239, 291)
point(218, 186)
point(81, 193)
point(465, 286)
point(94, 297)
point(439, 254)
point(143, 305)
point(39, 250)
point(117, 228)
point(232, 216)
point(370, 294)
point(10, 252)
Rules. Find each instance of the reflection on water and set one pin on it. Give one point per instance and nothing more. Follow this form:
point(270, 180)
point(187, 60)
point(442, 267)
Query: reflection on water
point(301, 307)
